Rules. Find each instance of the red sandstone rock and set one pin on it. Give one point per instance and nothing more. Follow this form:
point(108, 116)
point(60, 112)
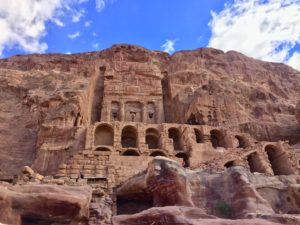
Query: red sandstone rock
point(40, 204)
point(233, 194)
point(182, 215)
point(100, 117)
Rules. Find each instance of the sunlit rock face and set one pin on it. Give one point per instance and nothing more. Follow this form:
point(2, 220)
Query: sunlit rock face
point(213, 120)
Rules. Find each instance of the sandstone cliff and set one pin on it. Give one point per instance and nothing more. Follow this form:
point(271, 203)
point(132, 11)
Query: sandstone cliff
point(98, 119)
point(43, 96)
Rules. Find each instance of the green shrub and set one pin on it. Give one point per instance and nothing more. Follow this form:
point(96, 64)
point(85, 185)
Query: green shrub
point(223, 209)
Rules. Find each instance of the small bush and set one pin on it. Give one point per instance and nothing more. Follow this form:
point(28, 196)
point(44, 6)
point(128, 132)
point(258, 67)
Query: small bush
point(223, 209)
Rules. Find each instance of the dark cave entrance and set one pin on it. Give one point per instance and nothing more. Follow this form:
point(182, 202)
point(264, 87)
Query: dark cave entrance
point(278, 160)
point(255, 163)
point(133, 203)
point(32, 220)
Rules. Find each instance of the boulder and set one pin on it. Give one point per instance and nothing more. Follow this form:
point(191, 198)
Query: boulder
point(44, 204)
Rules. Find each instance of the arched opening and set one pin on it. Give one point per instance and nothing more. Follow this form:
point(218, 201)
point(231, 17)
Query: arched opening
point(152, 138)
point(199, 136)
point(104, 135)
point(192, 120)
point(255, 163)
point(158, 153)
point(102, 149)
point(279, 160)
point(129, 137)
point(130, 152)
point(217, 139)
point(229, 164)
point(240, 142)
point(174, 134)
point(185, 158)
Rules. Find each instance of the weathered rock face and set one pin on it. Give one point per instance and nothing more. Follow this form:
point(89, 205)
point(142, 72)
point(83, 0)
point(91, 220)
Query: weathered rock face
point(298, 112)
point(44, 204)
point(233, 194)
point(99, 119)
point(230, 89)
point(48, 101)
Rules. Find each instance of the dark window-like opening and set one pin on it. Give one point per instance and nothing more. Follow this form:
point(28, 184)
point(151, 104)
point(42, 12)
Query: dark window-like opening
point(185, 158)
point(101, 149)
point(152, 138)
point(130, 152)
point(199, 136)
point(174, 134)
point(241, 142)
point(229, 164)
point(32, 220)
point(278, 160)
point(133, 203)
point(217, 139)
point(129, 137)
point(255, 163)
point(192, 120)
point(104, 135)
point(158, 153)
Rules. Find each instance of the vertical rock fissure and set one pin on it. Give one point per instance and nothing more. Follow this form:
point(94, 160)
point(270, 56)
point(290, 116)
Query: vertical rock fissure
point(98, 96)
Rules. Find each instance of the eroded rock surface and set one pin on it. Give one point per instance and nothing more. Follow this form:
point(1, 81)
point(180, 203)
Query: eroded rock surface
point(233, 194)
point(44, 204)
point(99, 119)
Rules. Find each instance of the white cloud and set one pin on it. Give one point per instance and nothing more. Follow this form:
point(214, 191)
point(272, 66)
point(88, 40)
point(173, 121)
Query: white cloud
point(23, 22)
point(87, 23)
point(169, 46)
point(94, 34)
point(100, 5)
point(294, 61)
point(96, 45)
point(68, 53)
point(58, 22)
point(77, 16)
point(74, 36)
point(266, 30)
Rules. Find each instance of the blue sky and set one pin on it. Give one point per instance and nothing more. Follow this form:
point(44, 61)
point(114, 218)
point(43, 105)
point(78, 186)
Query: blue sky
point(267, 30)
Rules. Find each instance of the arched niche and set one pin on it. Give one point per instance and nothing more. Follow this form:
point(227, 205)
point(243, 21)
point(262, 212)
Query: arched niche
point(229, 164)
point(158, 153)
point(199, 136)
point(129, 137)
point(240, 142)
point(104, 135)
point(174, 134)
point(152, 138)
point(255, 163)
point(217, 138)
point(130, 152)
point(185, 157)
point(279, 161)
